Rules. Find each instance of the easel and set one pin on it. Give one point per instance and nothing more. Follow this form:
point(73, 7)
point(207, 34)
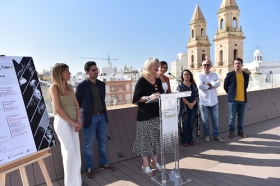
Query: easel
point(22, 162)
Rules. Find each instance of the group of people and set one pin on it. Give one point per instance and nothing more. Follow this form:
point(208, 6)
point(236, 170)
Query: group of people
point(204, 98)
point(85, 109)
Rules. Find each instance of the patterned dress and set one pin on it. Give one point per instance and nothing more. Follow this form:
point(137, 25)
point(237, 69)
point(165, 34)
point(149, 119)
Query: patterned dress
point(147, 139)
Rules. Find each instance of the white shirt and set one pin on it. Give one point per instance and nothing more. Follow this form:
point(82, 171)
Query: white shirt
point(165, 87)
point(208, 97)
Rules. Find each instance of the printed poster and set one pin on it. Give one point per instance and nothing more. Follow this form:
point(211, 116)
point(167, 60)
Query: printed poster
point(25, 126)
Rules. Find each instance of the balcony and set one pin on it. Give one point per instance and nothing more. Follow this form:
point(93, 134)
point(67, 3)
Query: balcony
point(239, 161)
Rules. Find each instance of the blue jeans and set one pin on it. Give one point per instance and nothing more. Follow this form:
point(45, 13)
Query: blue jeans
point(214, 112)
point(188, 118)
point(239, 107)
point(98, 128)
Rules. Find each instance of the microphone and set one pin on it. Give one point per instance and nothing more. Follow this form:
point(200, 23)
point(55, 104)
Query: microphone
point(175, 77)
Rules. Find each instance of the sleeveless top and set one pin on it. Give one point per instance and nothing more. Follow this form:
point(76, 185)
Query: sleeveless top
point(67, 105)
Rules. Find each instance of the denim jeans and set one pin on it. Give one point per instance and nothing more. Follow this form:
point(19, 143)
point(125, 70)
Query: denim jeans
point(214, 113)
point(98, 128)
point(239, 107)
point(188, 118)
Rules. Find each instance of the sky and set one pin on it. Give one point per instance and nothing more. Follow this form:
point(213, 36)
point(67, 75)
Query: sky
point(130, 31)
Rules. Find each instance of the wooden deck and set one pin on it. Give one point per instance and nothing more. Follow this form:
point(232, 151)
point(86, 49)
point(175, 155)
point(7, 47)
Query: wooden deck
point(250, 161)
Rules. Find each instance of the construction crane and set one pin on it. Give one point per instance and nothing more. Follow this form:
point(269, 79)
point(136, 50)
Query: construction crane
point(109, 59)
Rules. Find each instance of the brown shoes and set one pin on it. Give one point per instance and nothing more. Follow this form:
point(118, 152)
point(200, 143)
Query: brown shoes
point(231, 135)
point(242, 134)
point(89, 173)
point(108, 168)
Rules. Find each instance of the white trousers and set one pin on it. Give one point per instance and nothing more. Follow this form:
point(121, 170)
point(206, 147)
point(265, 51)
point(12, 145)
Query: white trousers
point(70, 150)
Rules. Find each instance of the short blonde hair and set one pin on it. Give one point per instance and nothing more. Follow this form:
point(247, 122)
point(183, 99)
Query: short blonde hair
point(148, 63)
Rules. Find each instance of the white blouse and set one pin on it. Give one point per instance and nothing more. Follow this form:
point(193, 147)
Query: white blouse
point(165, 87)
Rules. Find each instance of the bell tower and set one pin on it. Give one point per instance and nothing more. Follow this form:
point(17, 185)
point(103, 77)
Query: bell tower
point(199, 44)
point(228, 40)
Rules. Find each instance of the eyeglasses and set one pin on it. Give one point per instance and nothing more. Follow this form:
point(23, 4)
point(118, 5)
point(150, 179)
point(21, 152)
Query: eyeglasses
point(206, 65)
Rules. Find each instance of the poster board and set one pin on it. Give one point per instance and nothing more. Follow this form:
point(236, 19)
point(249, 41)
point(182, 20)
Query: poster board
point(25, 126)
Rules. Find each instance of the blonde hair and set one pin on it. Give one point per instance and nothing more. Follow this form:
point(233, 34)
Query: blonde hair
point(148, 63)
point(56, 77)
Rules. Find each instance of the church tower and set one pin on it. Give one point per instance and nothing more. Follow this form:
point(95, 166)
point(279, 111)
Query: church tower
point(199, 44)
point(228, 40)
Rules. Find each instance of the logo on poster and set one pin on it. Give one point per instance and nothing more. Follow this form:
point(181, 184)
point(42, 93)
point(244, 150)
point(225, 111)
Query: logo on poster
point(167, 113)
point(29, 150)
point(9, 157)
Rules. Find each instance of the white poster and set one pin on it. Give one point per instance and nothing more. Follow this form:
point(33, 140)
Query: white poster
point(24, 126)
point(169, 114)
point(169, 117)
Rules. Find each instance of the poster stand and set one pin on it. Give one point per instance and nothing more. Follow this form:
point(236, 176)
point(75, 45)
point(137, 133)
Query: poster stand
point(24, 161)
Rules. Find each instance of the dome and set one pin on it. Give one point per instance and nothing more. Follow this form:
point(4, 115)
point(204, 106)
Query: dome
point(257, 53)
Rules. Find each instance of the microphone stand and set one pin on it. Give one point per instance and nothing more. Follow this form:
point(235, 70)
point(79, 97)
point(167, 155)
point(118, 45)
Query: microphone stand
point(175, 78)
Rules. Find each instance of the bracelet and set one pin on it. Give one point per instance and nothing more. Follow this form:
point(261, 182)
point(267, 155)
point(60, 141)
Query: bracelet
point(147, 98)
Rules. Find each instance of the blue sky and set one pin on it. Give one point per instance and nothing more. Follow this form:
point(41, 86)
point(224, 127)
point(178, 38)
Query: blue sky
point(131, 31)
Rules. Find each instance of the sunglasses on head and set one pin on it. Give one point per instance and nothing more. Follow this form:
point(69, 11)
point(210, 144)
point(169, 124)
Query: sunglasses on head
point(206, 65)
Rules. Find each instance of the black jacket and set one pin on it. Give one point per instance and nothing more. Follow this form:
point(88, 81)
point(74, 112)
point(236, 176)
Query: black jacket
point(86, 101)
point(230, 85)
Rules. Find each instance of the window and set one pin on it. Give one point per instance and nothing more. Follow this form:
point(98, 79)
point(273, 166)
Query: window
point(192, 59)
point(120, 97)
point(192, 34)
point(203, 57)
point(222, 24)
point(112, 89)
point(127, 97)
point(107, 88)
point(235, 53)
point(120, 89)
point(221, 56)
point(202, 32)
point(234, 23)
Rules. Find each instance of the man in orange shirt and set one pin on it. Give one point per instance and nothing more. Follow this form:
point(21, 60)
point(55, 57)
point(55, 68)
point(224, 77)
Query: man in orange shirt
point(236, 84)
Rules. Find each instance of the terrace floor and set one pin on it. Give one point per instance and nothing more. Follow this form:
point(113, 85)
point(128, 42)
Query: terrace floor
point(249, 161)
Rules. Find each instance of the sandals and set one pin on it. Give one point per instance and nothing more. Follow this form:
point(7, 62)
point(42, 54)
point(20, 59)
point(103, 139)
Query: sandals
point(242, 134)
point(147, 171)
point(156, 166)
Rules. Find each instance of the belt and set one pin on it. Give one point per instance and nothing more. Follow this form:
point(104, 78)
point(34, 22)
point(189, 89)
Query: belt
point(98, 112)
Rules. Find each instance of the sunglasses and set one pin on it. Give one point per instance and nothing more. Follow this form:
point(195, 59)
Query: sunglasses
point(206, 65)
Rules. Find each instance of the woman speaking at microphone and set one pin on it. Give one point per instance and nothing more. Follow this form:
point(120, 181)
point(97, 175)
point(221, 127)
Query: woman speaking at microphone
point(147, 139)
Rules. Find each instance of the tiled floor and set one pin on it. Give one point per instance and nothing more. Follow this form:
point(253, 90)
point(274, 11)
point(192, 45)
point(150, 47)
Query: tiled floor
point(249, 161)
